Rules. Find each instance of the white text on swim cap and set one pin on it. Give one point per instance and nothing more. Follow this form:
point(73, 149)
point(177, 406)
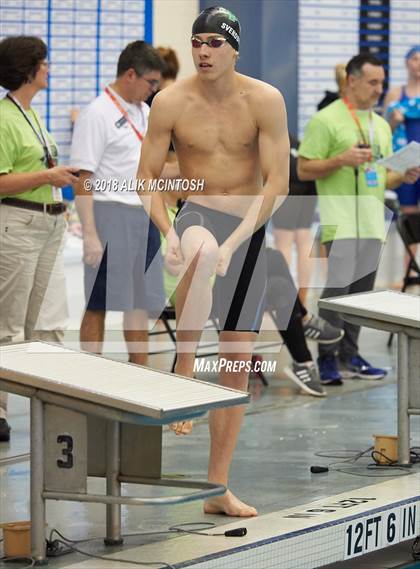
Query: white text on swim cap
point(230, 30)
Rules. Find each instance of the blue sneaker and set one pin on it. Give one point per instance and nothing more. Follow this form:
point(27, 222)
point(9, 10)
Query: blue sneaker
point(328, 371)
point(357, 367)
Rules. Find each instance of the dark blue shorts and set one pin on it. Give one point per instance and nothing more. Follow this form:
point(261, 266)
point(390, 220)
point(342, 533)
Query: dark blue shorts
point(296, 212)
point(130, 275)
point(409, 194)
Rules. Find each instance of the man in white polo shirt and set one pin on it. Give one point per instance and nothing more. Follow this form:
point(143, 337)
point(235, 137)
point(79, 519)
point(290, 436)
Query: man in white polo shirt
point(123, 268)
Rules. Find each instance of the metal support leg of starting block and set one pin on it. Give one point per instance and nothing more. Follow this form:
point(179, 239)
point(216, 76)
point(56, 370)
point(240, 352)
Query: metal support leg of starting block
point(37, 481)
point(403, 399)
point(113, 485)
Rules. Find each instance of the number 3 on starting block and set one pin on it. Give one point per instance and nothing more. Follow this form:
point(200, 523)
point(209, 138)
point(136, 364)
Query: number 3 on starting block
point(65, 457)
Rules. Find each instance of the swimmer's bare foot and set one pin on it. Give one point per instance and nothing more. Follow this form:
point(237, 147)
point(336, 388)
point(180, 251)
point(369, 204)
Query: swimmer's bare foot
point(182, 427)
point(229, 505)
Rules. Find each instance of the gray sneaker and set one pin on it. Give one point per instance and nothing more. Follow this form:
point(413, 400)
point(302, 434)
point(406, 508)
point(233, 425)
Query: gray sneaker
point(306, 376)
point(321, 331)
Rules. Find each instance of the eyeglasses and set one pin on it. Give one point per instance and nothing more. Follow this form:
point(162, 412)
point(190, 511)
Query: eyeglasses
point(211, 42)
point(154, 83)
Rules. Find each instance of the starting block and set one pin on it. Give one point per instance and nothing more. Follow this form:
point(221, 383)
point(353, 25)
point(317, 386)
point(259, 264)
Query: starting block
point(398, 313)
point(91, 416)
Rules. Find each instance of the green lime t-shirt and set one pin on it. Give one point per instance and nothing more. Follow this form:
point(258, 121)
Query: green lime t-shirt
point(331, 132)
point(21, 151)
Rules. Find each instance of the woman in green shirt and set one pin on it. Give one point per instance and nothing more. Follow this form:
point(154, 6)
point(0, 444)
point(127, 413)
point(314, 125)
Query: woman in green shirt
point(32, 288)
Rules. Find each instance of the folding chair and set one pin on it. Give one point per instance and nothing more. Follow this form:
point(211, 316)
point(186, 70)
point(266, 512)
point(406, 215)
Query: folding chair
point(408, 226)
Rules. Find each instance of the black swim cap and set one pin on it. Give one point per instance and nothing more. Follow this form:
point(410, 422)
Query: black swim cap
point(219, 21)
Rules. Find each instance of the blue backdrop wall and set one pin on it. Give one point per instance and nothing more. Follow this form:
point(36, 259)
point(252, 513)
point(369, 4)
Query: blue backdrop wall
point(269, 45)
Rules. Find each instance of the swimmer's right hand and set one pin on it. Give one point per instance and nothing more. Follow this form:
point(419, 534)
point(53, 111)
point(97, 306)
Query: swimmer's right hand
point(172, 269)
point(92, 249)
point(60, 176)
point(173, 257)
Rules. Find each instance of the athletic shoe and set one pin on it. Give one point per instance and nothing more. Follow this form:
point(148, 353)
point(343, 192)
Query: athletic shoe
point(4, 431)
point(306, 376)
point(321, 331)
point(357, 367)
point(328, 371)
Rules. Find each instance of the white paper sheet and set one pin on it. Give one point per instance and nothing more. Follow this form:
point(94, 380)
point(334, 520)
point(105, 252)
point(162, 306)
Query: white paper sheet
point(402, 160)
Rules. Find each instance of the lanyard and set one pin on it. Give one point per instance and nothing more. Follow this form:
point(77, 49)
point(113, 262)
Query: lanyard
point(124, 113)
point(359, 126)
point(50, 162)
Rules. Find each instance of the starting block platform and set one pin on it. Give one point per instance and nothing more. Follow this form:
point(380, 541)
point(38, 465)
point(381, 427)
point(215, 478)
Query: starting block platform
point(330, 530)
point(91, 416)
point(398, 313)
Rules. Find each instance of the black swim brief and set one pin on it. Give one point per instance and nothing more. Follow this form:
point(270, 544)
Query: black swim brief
point(239, 296)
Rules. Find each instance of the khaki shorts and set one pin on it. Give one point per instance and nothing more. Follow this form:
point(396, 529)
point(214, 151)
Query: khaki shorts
point(33, 303)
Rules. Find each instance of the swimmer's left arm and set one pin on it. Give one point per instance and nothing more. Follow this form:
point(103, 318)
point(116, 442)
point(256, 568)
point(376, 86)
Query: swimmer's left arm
point(274, 153)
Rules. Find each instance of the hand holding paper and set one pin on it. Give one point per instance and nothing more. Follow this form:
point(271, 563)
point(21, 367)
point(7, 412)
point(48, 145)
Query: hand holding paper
point(411, 176)
point(404, 159)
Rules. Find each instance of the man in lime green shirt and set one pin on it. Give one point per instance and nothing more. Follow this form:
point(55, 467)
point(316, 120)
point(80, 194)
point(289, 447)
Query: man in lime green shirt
point(340, 149)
